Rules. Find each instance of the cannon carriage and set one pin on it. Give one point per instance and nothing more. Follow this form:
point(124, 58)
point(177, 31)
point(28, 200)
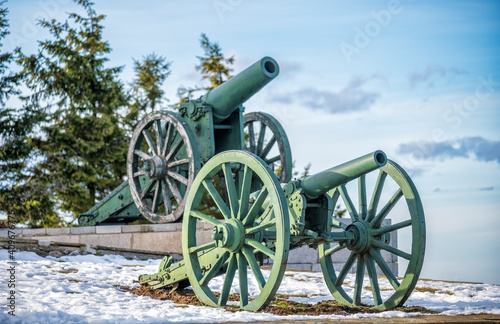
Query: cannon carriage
point(216, 167)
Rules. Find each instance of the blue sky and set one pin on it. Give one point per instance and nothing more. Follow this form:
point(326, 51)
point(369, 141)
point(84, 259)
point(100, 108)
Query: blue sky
point(419, 80)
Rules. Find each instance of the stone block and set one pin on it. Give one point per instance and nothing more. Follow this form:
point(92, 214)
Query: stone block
point(59, 238)
point(83, 230)
point(135, 228)
point(112, 240)
point(303, 254)
point(169, 242)
point(299, 266)
point(316, 267)
point(112, 229)
point(58, 231)
point(171, 227)
point(33, 232)
point(4, 232)
point(203, 237)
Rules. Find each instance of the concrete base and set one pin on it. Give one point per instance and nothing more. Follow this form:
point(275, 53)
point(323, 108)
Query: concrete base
point(166, 239)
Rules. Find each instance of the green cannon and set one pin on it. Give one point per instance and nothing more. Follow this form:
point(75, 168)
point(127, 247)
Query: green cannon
point(275, 218)
point(231, 174)
point(167, 149)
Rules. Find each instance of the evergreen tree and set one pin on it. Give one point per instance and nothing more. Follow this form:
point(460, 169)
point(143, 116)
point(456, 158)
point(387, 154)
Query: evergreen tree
point(83, 150)
point(146, 94)
point(24, 190)
point(214, 67)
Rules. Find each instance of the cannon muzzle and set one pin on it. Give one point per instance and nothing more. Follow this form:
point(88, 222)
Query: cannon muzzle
point(324, 181)
point(228, 96)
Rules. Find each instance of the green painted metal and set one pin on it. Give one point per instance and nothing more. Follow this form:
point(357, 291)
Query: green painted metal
point(117, 208)
point(241, 234)
point(265, 137)
point(322, 182)
point(366, 239)
point(228, 96)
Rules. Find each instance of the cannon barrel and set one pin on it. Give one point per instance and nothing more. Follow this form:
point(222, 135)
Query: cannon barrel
point(322, 182)
point(228, 96)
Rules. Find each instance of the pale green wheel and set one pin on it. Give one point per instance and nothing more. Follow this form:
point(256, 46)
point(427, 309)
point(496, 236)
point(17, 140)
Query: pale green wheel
point(265, 137)
point(254, 223)
point(162, 162)
point(370, 241)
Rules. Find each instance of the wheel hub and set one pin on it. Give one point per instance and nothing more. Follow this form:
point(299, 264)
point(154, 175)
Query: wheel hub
point(158, 167)
point(361, 233)
point(229, 235)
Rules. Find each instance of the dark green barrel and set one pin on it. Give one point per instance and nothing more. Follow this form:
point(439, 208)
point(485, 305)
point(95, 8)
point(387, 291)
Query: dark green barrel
point(228, 96)
point(324, 181)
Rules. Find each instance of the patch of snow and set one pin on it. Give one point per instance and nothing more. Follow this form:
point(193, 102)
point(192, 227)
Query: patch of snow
point(86, 288)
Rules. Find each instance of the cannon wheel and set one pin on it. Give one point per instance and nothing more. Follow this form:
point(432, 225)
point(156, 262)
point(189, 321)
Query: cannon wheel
point(162, 162)
point(262, 146)
point(254, 223)
point(372, 241)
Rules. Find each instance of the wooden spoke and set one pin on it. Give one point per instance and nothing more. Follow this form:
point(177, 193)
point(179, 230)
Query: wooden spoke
point(177, 163)
point(362, 196)
point(140, 173)
point(166, 197)
point(260, 247)
point(261, 227)
point(147, 188)
point(385, 268)
point(345, 269)
point(360, 275)
point(149, 139)
point(255, 209)
point(212, 272)
point(177, 177)
point(334, 249)
point(231, 189)
point(379, 186)
point(348, 203)
point(387, 208)
point(252, 262)
point(217, 199)
point(228, 280)
point(390, 228)
point(251, 138)
point(204, 217)
point(203, 247)
point(156, 198)
point(159, 139)
point(273, 159)
point(260, 141)
point(175, 192)
point(174, 149)
point(393, 250)
point(243, 280)
point(372, 274)
point(268, 147)
point(245, 192)
point(143, 155)
point(166, 146)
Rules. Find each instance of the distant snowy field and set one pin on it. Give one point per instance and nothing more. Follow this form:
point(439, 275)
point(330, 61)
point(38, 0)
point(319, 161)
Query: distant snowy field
point(85, 288)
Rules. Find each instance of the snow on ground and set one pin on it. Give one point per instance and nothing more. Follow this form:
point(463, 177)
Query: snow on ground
point(86, 288)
